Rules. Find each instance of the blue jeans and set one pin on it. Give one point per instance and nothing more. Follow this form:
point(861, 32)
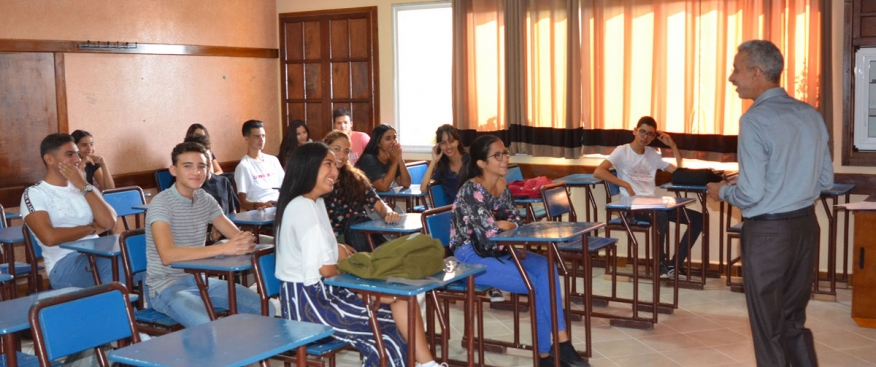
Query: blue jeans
point(75, 271)
point(182, 301)
point(503, 274)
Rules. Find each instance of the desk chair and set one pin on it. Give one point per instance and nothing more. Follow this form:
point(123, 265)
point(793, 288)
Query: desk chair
point(436, 223)
point(557, 203)
point(528, 211)
point(5, 278)
point(33, 253)
point(733, 232)
point(636, 226)
point(122, 200)
point(103, 314)
point(133, 246)
point(264, 262)
point(417, 170)
point(163, 179)
point(437, 195)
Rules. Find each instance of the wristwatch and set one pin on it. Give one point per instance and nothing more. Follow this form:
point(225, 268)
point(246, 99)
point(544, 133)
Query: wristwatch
point(88, 188)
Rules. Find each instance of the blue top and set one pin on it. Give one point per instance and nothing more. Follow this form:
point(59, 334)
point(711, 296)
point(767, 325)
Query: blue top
point(236, 340)
point(11, 235)
point(217, 263)
point(547, 232)
point(579, 179)
point(103, 246)
point(459, 272)
point(784, 163)
point(448, 179)
point(409, 223)
point(258, 217)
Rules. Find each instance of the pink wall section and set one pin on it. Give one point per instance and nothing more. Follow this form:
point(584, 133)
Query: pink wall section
point(139, 106)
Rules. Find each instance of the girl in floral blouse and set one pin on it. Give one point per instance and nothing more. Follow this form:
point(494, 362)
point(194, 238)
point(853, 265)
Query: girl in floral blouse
point(484, 208)
point(353, 193)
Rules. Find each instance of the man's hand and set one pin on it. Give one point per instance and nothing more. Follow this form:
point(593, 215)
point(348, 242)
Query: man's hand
point(72, 174)
point(666, 139)
point(240, 244)
point(629, 189)
point(715, 189)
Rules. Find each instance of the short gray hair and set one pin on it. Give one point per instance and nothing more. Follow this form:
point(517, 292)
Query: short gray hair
point(766, 56)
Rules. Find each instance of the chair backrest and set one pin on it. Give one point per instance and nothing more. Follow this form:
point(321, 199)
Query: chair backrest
point(32, 247)
point(264, 264)
point(557, 202)
point(82, 320)
point(438, 195)
point(122, 199)
point(611, 190)
point(417, 170)
point(133, 246)
point(514, 174)
point(436, 223)
point(163, 179)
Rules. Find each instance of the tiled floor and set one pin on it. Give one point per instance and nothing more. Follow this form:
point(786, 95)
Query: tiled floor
point(710, 328)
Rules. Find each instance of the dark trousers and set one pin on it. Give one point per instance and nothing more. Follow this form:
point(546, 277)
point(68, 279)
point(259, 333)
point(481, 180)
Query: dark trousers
point(694, 229)
point(778, 260)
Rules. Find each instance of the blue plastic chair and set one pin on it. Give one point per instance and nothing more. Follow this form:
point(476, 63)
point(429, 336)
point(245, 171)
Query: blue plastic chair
point(123, 200)
point(514, 174)
point(32, 253)
point(133, 246)
point(264, 263)
point(163, 179)
point(82, 320)
point(417, 170)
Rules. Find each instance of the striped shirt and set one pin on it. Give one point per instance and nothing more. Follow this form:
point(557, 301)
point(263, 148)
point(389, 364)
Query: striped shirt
point(188, 219)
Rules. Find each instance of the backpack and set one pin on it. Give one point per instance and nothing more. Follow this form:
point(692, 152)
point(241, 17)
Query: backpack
point(530, 188)
point(414, 256)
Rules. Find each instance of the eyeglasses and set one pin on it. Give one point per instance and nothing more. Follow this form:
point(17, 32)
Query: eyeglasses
point(645, 133)
point(501, 155)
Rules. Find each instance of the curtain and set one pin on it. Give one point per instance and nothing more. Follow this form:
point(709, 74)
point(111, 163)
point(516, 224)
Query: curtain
point(575, 72)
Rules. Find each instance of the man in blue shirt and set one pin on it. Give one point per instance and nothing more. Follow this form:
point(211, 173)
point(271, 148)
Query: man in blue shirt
point(784, 164)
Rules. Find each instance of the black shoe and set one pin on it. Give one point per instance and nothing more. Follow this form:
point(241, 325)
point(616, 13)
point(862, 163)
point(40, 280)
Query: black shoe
point(569, 356)
point(549, 362)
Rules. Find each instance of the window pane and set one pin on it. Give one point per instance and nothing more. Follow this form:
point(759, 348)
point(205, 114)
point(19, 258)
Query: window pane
point(423, 51)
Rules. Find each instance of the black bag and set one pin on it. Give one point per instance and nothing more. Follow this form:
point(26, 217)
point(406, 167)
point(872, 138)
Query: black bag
point(357, 239)
point(695, 177)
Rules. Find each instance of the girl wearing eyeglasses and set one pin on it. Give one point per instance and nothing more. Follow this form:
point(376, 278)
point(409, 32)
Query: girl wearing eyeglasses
point(483, 208)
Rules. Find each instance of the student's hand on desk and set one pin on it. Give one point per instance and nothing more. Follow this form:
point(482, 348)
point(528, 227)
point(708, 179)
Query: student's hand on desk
point(72, 174)
point(263, 205)
point(506, 225)
point(241, 244)
point(391, 217)
point(714, 189)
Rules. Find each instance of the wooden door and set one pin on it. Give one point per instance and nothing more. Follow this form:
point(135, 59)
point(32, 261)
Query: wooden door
point(329, 60)
point(29, 110)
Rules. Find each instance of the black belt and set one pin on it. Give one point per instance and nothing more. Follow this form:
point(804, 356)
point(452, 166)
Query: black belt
point(786, 215)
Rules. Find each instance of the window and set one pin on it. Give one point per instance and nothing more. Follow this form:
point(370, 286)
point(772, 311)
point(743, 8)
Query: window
point(423, 48)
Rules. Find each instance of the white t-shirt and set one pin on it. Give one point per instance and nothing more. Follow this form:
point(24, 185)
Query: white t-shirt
point(639, 170)
point(66, 207)
point(305, 242)
point(259, 180)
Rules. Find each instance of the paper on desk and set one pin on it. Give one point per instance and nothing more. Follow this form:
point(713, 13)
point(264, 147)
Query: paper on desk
point(646, 202)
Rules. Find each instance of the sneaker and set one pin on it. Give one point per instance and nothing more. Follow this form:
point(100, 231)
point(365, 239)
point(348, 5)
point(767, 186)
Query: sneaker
point(670, 273)
point(548, 362)
point(665, 273)
point(496, 295)
point(569, 356)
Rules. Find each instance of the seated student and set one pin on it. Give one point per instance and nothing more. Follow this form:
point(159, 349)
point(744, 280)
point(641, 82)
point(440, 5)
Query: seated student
point(483, 208)
point(93, 166)
point(218, 186)
point(448, 158)
point(307, 253)
point(296, 135)
point(200, 130)
point(62, 208)
point(176, 230)
point(637, 164)
point(258, 175)
point(342, 119)
point(382, 160)
point(352, 195)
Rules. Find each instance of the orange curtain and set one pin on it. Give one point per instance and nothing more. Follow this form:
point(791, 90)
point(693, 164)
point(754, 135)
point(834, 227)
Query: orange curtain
point(547, 73)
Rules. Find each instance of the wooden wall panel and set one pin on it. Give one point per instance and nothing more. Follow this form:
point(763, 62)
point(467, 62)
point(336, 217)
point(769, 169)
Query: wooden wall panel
point(340, 44)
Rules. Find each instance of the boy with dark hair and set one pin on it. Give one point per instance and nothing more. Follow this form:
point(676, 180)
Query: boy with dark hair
point(176, 230)
point(342, 119)
point(63, 207)
point(258, 175)
point(637, 164)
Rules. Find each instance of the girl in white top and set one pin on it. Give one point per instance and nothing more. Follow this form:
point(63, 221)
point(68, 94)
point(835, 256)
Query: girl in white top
point(307, 252)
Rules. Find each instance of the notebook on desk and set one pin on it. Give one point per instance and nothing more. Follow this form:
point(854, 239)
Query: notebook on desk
point(647, 202)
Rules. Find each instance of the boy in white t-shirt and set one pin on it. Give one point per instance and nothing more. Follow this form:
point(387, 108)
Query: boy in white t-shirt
point(62, 208)
point(636, 164)
point(258, 175)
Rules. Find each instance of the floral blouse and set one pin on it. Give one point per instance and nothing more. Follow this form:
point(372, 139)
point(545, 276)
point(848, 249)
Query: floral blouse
point(475, 213)
point(340, 211)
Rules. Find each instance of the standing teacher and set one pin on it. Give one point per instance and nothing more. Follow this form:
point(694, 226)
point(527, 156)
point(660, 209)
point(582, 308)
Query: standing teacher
point(784, 164)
